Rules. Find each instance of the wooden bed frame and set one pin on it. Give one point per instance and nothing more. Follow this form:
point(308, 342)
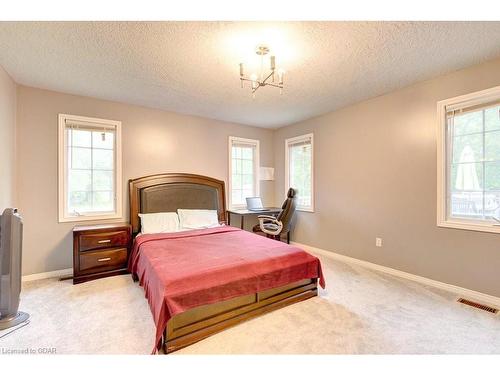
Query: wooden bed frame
point(170, 191)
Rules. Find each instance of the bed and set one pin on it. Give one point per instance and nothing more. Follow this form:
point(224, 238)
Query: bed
point(201, 281)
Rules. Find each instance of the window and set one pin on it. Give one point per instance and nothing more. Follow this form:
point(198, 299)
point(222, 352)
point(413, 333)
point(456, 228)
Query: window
point(469, 161)
point(299, 170)
point(243, 167)
point(89, 169)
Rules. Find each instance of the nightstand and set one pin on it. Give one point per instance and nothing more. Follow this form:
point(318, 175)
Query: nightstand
point(100, 251)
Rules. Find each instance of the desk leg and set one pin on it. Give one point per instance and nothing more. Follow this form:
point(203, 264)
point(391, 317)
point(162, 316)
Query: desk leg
point(228, 219)
point(242, 221)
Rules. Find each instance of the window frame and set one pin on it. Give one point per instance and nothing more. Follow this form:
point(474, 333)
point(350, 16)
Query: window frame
point(463, 101)
point(291, 141)
point(63, 214)
point(255, 143)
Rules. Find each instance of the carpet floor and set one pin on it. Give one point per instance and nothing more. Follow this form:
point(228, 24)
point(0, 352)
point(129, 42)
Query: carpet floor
point(361, 312)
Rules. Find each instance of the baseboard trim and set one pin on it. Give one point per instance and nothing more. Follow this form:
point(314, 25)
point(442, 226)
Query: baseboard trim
point(48, 275)
point(458, 290)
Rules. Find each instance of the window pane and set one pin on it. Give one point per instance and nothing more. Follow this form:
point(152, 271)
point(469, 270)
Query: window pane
point(243, 173)
point(80, 158)
point(247, 182)
point(103, 201)
point(79, 201)
point(80, 138)
point(492, 118)
point(239, 166)
point(468, 123)
point(492, 204)
point(466, 177)
point(247, 153)
point(236, 181)
point(103, 180)
point(236, 197)
point(300, 157)
point(104, 139)
point(468, 148)
point(236, 166)
point(304, 201)
point(247, 193)
point(236, 152)
point(79, 180)
point(467, 205)
point(492, 145)
point(102, 159)
point(247, 166)
point(474, 171)
point(492, 175)
point(90, 169)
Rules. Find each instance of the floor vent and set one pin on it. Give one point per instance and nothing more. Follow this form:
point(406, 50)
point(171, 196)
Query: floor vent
point(478, 305)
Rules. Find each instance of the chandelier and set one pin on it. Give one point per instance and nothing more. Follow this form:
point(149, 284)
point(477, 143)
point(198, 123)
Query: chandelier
point(265, 78)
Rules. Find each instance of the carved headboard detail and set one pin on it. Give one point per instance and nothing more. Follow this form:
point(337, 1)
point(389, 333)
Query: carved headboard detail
point(169, 191)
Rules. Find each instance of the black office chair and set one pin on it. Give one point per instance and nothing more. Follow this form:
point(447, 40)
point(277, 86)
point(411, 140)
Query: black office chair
point(275, 227)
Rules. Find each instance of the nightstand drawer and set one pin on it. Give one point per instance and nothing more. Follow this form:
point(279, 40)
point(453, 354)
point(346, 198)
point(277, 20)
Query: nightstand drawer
point(101, 240)
point(102, 260)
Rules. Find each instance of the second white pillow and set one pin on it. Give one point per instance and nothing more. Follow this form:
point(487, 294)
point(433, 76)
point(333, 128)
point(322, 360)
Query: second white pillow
point(197, 219)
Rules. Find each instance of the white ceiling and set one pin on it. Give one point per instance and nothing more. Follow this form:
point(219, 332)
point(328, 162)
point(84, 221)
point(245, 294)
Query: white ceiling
point(192, 67)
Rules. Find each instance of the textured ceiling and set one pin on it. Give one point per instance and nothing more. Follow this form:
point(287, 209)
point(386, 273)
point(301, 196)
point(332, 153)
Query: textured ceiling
point(192, 67)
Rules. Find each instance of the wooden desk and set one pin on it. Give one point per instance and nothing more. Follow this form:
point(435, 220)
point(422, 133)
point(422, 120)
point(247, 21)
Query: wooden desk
point(244, 212)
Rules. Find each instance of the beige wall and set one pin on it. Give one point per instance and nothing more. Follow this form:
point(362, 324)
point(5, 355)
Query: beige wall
point(7, 140)
point(375, 176)
point(153, 141)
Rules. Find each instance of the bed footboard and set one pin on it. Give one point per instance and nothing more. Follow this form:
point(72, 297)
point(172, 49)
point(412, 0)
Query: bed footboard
point(198, 323)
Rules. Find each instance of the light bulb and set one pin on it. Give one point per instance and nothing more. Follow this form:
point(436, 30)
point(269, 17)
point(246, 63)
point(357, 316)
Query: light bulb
point(281, 73)
point(255, 84)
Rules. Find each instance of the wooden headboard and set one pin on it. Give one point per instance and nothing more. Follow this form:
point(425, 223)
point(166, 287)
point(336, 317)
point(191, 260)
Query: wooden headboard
point(169, 191)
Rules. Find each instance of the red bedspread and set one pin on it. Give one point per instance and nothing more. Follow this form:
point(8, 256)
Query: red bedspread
point(183, 270)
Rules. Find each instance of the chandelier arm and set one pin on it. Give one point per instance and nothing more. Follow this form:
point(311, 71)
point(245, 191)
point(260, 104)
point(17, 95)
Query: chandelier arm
point(265, 79)
point(255, 89)
point(274, 85)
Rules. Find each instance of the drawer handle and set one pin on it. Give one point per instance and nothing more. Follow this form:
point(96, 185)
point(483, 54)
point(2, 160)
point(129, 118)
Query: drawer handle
point(103, 259)
point(104, 241)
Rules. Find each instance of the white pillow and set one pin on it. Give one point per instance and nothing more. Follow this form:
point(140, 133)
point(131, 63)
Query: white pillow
point(159, 222)
point(197, 219)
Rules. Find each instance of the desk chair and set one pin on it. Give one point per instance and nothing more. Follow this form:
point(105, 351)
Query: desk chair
point(275, 227)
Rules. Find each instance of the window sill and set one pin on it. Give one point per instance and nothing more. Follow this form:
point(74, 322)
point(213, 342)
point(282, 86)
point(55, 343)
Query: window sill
point(305, 209)
point(464, 225)
point(73, 219)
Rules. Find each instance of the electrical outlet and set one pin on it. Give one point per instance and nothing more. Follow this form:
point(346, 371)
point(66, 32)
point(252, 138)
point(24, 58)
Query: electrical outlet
point(378, 242)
